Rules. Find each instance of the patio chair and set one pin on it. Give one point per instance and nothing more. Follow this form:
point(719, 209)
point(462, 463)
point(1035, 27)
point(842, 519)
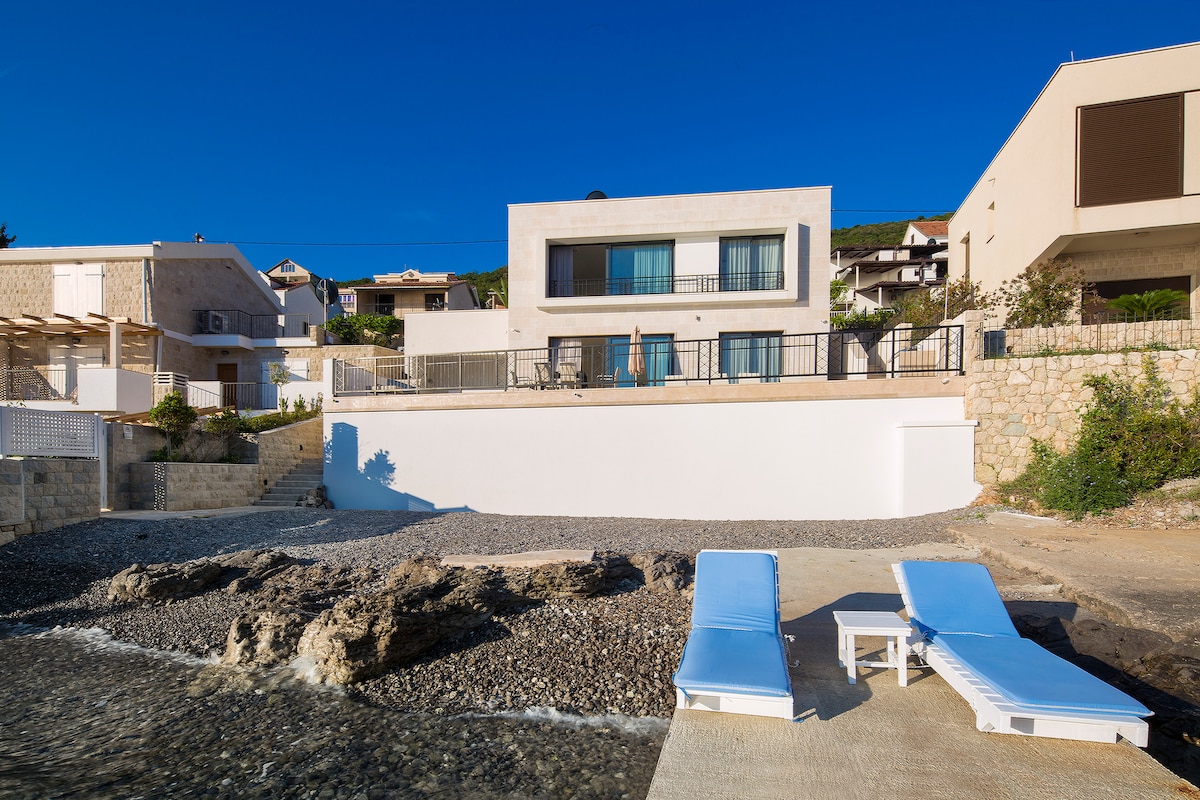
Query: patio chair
point(1012, 684)
point(734, 660)
point(568, 375)
point(522, 383)
point(542, 377)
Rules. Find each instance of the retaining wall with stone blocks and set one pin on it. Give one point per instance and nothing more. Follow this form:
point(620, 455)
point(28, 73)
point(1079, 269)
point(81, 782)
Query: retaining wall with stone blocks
point(184, 487)
point(41, 494)
point(277, 452)
point(1018, 400)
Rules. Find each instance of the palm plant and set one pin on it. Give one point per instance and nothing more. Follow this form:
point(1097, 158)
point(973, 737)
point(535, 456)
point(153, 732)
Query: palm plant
point(1153, 304)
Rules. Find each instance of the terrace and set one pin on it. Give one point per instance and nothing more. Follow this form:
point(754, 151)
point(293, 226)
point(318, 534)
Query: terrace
point(617, 362)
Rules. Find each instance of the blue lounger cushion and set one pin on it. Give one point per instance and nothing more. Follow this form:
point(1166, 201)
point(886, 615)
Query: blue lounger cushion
point(955, 597)
point(1031, 676)
point(725, 660)
point(736, 590)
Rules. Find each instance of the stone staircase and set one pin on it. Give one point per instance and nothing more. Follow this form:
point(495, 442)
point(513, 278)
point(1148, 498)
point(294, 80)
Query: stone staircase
point(291, 488)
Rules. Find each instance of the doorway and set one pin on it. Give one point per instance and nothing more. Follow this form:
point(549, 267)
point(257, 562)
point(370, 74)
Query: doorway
point(227, 374)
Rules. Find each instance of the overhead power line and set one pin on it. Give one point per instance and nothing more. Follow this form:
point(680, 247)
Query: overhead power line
point(502, 241)
point(372, 244)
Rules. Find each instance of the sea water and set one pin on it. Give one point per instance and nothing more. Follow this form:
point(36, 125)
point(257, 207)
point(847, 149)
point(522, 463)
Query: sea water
point(84, 715)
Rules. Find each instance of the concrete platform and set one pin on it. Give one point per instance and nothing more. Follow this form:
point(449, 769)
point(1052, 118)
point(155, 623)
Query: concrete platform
point(875, 739)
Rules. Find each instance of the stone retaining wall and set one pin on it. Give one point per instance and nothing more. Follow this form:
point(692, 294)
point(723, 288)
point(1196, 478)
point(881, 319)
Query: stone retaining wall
point(40, 494)
point(184, 487)
point(278, 451)
point(1017, 400)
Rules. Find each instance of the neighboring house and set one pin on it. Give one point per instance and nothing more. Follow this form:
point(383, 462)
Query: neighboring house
point(91, 328)
point(398, 294)
point(1103, 169)
point(878, 274)
point(303, 292)
point(927, 231)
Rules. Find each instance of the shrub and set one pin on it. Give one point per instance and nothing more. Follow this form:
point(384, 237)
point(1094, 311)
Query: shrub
point(174, 417)
point(862, 320)
point(1133, 437)
point(1043, 295)
point(1154, 304)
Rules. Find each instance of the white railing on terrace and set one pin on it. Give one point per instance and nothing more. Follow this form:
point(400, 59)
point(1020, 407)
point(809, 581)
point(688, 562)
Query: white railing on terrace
point(762, 358)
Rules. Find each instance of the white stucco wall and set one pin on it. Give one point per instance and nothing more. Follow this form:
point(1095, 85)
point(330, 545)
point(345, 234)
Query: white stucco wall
point(1023, 209)
point(817, 459)
point(470, 331)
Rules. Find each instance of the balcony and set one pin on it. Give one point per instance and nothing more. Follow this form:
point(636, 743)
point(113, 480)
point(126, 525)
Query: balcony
point(234, 322)
point(669, 284)
point(751, 358)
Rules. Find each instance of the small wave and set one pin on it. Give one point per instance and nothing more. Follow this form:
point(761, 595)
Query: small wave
point(639, 726)
point(101, 640)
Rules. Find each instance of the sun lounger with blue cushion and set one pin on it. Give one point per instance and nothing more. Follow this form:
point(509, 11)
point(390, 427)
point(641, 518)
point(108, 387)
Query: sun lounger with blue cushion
point(1013, 685)
point(734, 659)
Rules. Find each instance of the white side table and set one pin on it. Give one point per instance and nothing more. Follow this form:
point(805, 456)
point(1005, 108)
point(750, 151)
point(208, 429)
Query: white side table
point(873, 623)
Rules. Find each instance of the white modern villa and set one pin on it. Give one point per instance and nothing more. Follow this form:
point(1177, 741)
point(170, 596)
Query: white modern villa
point(660, 357)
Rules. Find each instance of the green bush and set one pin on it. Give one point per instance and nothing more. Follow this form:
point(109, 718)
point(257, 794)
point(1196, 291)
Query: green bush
point(266, 422)
point(1133, 437)
point(862, 320)
point(174, 417)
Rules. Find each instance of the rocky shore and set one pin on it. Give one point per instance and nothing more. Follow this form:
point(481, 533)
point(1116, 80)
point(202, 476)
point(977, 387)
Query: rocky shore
point(561, 694)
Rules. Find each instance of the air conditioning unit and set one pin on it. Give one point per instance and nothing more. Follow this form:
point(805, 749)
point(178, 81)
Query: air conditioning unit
point(213, 322)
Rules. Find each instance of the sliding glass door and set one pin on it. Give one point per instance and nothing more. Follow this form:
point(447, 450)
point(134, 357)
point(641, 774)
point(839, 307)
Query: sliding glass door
point(751, 355)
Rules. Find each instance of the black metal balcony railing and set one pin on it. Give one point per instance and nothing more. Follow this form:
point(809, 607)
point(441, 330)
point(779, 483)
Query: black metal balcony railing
point(766, 358)
point(255, 326)
point(1099, 332)
point(667, 284)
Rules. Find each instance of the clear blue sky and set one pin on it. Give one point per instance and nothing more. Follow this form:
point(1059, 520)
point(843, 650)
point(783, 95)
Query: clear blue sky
point(378, 122)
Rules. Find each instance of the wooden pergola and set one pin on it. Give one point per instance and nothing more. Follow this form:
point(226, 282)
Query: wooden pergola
point(60, 325)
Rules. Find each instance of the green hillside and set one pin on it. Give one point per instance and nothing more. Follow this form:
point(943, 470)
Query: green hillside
point(875, 232)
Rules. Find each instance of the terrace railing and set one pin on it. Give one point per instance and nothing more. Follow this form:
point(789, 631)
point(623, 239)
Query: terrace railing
point(254, 326)
point(667, 284)
point(759, 359)
point(1104, 333)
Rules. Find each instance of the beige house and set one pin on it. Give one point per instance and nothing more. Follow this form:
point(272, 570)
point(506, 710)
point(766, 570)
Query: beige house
point(1103, 169)
point(89, 328)
point(877, 275)
point(742, 268)
point(401, 293)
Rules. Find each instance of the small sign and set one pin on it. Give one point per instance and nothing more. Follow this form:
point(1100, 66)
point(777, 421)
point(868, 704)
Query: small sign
point(128, 431)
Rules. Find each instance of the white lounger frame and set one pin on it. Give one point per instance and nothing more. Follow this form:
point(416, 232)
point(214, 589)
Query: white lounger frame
point(756, 704)
point(735, 703)
point(996, 714)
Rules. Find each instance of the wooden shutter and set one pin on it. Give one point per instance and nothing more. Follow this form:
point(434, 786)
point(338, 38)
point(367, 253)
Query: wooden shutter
point(1131, 151)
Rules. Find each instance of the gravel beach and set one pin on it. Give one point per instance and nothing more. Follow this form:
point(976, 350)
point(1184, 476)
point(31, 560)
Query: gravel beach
point(563, 698)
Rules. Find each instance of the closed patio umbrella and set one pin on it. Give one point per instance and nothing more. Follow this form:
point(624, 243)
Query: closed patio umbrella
point(637, 355)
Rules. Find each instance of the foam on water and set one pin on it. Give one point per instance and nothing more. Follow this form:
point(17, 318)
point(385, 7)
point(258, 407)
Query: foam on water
point(98, 639)
point(638, 726)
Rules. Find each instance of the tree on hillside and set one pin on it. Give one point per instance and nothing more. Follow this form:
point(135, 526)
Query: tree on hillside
point(485, 282)
point(885, 233)
point(5, 239)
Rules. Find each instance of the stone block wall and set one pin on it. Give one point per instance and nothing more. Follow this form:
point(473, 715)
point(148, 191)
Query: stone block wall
point(141, 443)
point(1017, 400)
point(279, 451)
point(184, 487)
point(41, 494)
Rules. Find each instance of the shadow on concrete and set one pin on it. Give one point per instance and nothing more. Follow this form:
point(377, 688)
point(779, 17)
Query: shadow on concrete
point(819, 683)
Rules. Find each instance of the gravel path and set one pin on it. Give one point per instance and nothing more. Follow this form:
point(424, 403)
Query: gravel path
point(169, 726)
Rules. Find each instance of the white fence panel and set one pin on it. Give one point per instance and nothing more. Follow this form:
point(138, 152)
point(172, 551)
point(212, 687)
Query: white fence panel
point(69, 434)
